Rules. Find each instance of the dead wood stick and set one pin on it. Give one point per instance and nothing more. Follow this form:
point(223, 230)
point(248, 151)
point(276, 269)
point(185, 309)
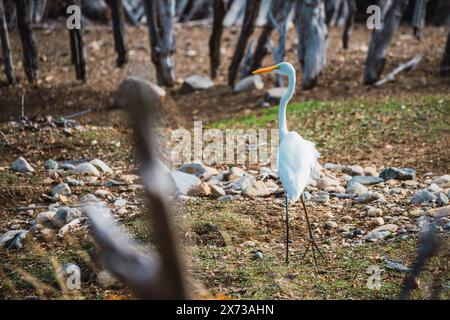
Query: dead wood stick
point(403, 67)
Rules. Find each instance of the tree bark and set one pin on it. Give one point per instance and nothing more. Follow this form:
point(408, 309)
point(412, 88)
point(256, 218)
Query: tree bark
point(78, 50)
point(6, 46)
point(418, 20)
point(219, 11)
point(392, 12)
point(251, 12)
point(445, 66)
point(261, 46)
point(120, 35)
point(349, 22)
point(160, 19)
point(30, 58)
point(312, 38)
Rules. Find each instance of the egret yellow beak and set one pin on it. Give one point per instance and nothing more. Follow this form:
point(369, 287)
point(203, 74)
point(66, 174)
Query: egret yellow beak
point(265, 70)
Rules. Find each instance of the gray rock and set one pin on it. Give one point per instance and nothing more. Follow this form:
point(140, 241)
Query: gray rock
point(442, 181)
point(398, 174)
point(366, 180)
point(44, 218)
point(243, 183)
point(396, 265)
point(51, 165)
point(67, 166)
point(101, 166)
point(307, 196)
point(369, 197)
point(183, 182)
point(249, 84)
point(195, 168)
point(322, 197)
point(258, 255)
point(330, 225)
point(274, 95)
point(434, 188)
point(343, 195)
point(258, 189)
point(356, 188)
point(441, 198)
point(333, 166)
point(13, 239)
point(89, 198)
point(216, 191)
point(226, 198)
point(423, 196)
point(86, 169)
point(74, 182)
point(375, 236)
point(63, 216)
point(119, 203)
point(195, 83)
point(21, 165)
point(61, 189)
point(354, 170)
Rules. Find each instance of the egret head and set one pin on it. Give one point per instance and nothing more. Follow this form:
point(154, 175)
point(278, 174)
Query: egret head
point(284, 68)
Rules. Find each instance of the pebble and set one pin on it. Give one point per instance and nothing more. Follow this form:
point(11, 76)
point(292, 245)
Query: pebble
point(423, 196)
point(50, 165)
point(434, 188)
point(196, 83)
point(74, 182)
point(442, 181)
point(61, 189)
point(439, 212)
point(226, 198)
point(354, 170)
point(387, 227)
point(200, 190)
point(21, 165)
point(101, 166)
point(370, 197)
point(13, 239)
point(398, 174)
point(217, 191)
point(322, 197)
point(257, 189)
point(250, 83)
point(441, 198)
point(183, 181)
point(366, 180)
point(370, 171)
point(119, 203)
point(377, 235)
point(234, 173)
point(356, 188)
point(102, 193)
point(245, 181)
point(330, 225)
point(63, 216)
point(45, 218)
point(258, 255)
point(196, 168)
point(86, 169)
point(378, 221)
point(374, 212)
point(274, 95)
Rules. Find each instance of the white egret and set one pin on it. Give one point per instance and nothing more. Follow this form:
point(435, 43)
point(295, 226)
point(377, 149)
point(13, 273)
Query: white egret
point(296, 156)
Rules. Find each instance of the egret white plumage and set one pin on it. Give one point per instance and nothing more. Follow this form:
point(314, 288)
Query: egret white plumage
point(296, 156)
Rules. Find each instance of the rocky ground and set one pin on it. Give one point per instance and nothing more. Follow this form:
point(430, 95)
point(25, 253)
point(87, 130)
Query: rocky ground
point(383, 176)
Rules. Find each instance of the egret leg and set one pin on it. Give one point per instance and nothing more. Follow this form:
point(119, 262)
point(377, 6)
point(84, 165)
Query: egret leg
point(287, 231)
point(311, 235)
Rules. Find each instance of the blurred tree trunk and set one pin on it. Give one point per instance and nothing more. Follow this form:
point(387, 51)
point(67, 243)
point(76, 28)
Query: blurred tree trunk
point(349, 22)
point(160, 19)
point(219, 11)
point(391, 15)
point(251, 13)
point(120, 36)
point(30, 58)
point(6, 46)
point(78, 50)
point(261, 46)
point(312, 36)
point(418, 20)
point(445, 66)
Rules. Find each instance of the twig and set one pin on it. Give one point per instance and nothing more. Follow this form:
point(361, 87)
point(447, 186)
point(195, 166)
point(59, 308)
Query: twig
point(2, 134)
point(404, 66)
point(77, 114)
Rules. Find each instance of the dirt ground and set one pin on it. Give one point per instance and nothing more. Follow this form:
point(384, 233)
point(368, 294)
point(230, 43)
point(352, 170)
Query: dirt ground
point(403, 123)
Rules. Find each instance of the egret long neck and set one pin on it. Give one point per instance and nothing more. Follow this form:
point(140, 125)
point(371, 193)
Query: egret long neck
point(283, 104)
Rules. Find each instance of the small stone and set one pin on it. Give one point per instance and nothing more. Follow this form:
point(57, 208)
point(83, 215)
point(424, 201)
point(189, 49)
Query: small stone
point(201, 190)
point(442, 181)
point(226, 198)
point(375, 236)
point(423, 196)
point(374, 212)
point(67, 166)
point(354, 170)
point(119, 203)
point(370, 172)
point(370, 197)
point(274, 95)
point(249, 244)
point(86, 169)
point(439, 212)
point(441, 199)
point(322, 197)
point(13, 239)
point(102, 193)
point(378, 221)
point(61, 189)
point(365, 180)
point(74, 182)
point(258, 189)
point(266, 173)
point(330, 225)
point(45, 218)
point(249, 84)
point(50, 165)
point(387, 227)
point(243, 182)
point(325, 181)
point(356, 188)
point(307, 196)
point(47, 234)
point(398, 174)
point(21, 165)
point(333, 167)
point(217, 191)
point(234, 174)
point(183, 182)
point(89, 198)
point(258, 255)
point(101, 166)
point(63, 216)
point(196, 83)
point(191, 53)
point(106, 279)
point(434, 188)
point(69, 226)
